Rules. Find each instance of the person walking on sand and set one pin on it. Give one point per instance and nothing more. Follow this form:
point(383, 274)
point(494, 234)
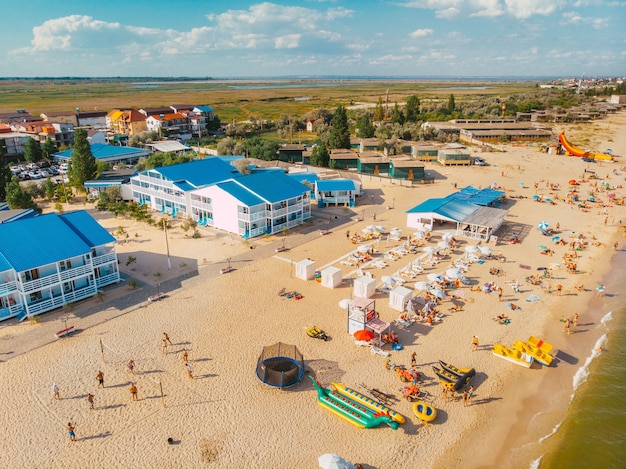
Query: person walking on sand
point(185, 356)
point(474, 345)
point(444, 394)
point(70, 431)
point(465, 398)
point(600, 290)
point(90, 400)
point(566, 326)
point(575, 320)
point(499, 293)
point(131, 366)
point(166, 338)
point(100, 379)
point(470, 394)
point(133, 392)
point(164, 346)
point(56, 394)
point(559, 288)
point(189, 371)
point(413, 359)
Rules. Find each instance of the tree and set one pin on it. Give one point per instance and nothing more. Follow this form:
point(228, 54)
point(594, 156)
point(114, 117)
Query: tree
point(397, 117)
point(48, 149)
point(364, 126)
point(451, 104)
point(320, 156)
point(83, 166)
point(17, 197)
point(379, 112)
point(339, 132)
point(230, 146)
point(412, 109)
point(5, 173)
point(32, 150)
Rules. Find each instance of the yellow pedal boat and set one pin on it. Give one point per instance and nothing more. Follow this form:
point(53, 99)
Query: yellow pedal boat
point(512, 355)
point(540, 344)
point(538, 355)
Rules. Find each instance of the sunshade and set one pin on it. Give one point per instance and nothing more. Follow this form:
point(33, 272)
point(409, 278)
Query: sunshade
point(388, 280)
point(364, 334)
point(447, 236)
point(430, 249)
point(380, 229)
point(443, 244)
point(485, 250)
point(435, 277)
point(422, 285)
point(471, 248)
point(543, 225)
point(454, 273)
point(343, 304)
point(438, 293)
point(333, 461)
point(363, 248)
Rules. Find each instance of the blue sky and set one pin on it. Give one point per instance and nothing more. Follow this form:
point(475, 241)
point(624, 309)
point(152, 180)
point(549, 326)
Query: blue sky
point(313, 37)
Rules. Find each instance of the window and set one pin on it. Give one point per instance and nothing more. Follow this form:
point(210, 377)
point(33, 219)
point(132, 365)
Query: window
point(35, 296)
point(67, 264)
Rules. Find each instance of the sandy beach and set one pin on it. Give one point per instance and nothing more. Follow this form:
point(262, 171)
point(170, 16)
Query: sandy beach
point(224, 417)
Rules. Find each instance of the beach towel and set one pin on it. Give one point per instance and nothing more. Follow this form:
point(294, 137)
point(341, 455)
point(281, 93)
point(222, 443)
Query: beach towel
point(533, 298)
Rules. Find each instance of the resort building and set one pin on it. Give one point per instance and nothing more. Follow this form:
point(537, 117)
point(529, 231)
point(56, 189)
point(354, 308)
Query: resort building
point(107, 153)
point(215, 194)
point(335, 192)
point(36, 277)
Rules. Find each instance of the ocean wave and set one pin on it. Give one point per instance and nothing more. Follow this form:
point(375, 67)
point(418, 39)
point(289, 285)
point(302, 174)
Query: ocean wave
point(554, 430)
point(583, 372)
point(535, 464)
point(606, 318)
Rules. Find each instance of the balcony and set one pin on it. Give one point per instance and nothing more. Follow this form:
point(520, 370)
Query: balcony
point(45, 305)
point(104, 259)
point(8, 287)
point(80, 294)
point(76, 272)
point(10, 311)
point(107, 280)
point(40, 283)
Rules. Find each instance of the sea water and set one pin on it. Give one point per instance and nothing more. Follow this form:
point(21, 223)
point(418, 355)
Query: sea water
point(593, 434)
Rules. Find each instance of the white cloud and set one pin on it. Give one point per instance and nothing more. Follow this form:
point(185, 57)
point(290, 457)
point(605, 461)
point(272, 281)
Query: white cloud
point(70, 32)
point(291, 41)
point(522, 9)
point(422, 33)
point(572, 17)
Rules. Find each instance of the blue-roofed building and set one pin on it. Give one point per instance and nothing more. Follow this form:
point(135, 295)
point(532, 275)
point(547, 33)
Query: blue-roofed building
point(108, 153)
point(472, 220)
point(215, 194)
point(335, 191)
point(35, 277)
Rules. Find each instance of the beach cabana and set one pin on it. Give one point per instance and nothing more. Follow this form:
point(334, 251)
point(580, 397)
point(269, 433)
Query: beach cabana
point(364, 287)
point(280, 365)
point(331, 277)
point(378, 327)
point(305, 269)
point(399, 297)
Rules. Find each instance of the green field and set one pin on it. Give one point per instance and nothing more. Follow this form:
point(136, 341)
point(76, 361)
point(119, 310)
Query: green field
point(260, 100)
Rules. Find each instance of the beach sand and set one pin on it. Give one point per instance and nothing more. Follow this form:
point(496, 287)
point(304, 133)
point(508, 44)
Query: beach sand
point(225, 417)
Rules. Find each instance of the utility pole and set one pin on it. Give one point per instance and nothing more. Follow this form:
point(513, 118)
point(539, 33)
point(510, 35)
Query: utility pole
point(167, 245)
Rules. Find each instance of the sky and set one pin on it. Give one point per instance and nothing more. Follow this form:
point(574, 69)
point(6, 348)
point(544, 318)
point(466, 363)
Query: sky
point(228, 39)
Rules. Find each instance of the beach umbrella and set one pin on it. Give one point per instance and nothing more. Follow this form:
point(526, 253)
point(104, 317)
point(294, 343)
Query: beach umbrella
point(443, 244)
point(542, 247)
point(471, 248)
point(380, 229)
point(484, 250)
point(438, 293)
point(366, 231)
point(448, 235)
point(419, 234)
point(454, 273)
point(543, 225)
point(422, 286)
point(344, 304)
point(572, 182)
point(430, 249)
point(435, 277)
point(556, 238)
point(363, 248)
point(333, 461)
point(388, 280)
point(363, 334)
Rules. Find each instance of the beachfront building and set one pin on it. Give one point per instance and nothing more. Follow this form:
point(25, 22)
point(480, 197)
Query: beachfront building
point(406, 168)
point(454, 156)
point(472, 210)
point(291, 152)
point(335, 191)
point(342, 158)
point(36, 277)
point(108, 153)
point(373, 162)
point(425, 151)
point(215, 194)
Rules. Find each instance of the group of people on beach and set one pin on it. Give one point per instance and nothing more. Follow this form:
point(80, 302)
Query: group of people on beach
point(133, 389)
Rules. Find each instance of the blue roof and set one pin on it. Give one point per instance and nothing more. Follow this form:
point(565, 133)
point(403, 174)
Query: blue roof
point(477, 196)
point(205, 108)
point(456, 210)
point(38, 241)
point(240, 193)
point(335, 185)
point(300, 177)
point(4, 264)
point(102, 151)
point(199, 173)
point(273, 186)
point(87, 228)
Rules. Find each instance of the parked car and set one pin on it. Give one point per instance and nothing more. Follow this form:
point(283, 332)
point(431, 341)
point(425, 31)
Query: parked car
point(35, 174)
point(44, 173)
point(32, 167)
point(478, 161)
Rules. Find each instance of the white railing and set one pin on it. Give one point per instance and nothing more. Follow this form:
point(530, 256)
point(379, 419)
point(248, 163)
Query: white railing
point(202, 205)
point(39, 283)
point(45, 305)
point(107, 279)
point(256, 232)
point(294, 208)
point(8, 286)
point(279, 212)
point(75, 272)
point(292, 223)
point(80, 294)
point(104, 259)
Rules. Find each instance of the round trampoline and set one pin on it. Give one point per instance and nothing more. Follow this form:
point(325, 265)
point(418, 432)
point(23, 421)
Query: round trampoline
point(280, 365)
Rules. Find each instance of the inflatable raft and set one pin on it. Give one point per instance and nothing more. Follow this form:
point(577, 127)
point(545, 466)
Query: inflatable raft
point(425, 412)
point(356, 408)
point(454, 380)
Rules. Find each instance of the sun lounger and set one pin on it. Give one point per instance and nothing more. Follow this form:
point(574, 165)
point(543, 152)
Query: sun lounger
point(361, 343)
point(377, 351)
